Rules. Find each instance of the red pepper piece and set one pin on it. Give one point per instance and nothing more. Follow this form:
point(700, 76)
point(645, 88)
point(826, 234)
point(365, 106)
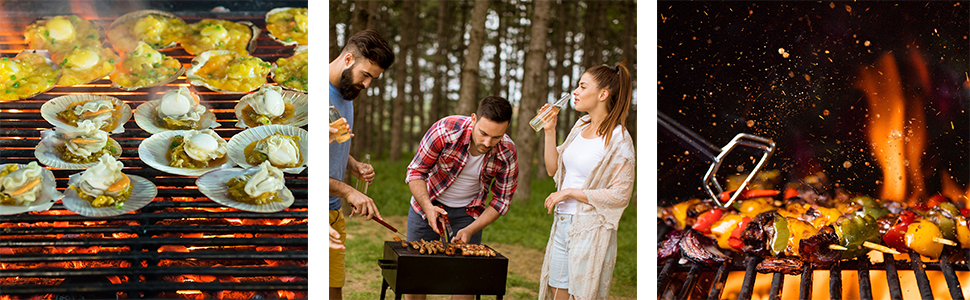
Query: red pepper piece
point(790, 193)
point(735, 240)
point(965, 212)
point(705, 220)
point(748, 194)
point(896, 236)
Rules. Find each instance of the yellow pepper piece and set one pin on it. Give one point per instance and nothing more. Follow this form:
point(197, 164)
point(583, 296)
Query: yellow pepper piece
point(798, 230)
point(753, 207)
point(679, 211)
point(919, 237)
point(721, 229)
point(963, 232)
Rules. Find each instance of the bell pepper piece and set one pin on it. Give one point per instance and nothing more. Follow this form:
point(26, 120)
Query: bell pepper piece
point(779, 241)
point(735, 240)
point(679, 212)
point(963, 232)
point(705, 220)
point(753, 207)
point(919, 237)
point(896, 235)
point(798, 230)
point(722, 229)
point(748, 194)
point(871, 206)
point(790, 193)
point(855, 231)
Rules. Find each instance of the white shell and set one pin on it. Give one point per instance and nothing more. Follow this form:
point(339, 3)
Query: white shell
point(48, 155)
point(213, 185)
point(53, 106)
point(272, 73)
point(144, 117)
point(48, 195)
point(127, 20)
point(152, 151)
point(142, 193)
point(200, 61)
point(298, 100)
point(47, 57)
point(238, 143)
point(266, 19)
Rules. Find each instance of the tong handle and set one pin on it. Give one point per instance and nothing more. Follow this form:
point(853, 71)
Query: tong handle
point(742, 139)
point(688, 138)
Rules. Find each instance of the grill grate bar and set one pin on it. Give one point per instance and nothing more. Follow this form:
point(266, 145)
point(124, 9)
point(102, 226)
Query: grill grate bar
point(154, 287)
point(277, 255)
point(925, 291)
point(805, 291)
point(228, 271)
point(747, 287)
point(154, 242)
point(777, 283)
point(892, 277)
point(665, 274)
point(689, 282)
point(719, 280)
point(835, 282)
point(951, 277)
point(865, 285)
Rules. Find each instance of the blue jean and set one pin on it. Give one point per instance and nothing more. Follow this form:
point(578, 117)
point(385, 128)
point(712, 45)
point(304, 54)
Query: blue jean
point(559, 256)
point(418, 227)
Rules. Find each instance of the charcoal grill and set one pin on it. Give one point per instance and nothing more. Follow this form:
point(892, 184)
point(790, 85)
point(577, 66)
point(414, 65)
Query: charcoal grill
point(704, 282)
point(182, 245)
point(406, 271)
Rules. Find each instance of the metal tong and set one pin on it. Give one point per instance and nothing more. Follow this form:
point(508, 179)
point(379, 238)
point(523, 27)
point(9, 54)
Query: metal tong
point(445, 226)
point(704, 149)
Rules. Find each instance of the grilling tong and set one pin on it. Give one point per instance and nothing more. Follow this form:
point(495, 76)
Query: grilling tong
point(705, 150)
point(445, 226)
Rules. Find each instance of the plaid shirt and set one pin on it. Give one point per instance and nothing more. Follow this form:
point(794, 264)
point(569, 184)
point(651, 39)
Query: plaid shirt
point(442, 155)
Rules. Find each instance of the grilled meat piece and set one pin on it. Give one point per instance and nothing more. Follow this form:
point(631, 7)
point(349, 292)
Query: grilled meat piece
point(815, 250)
point(758, 233)
point(701, 249)
point(771, 264)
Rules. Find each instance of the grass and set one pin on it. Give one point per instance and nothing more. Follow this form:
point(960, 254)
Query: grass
point(527, 224)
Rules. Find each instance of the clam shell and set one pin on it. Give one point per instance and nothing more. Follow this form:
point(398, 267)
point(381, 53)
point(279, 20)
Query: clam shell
point(272, 73)
point(53, 106)
point(122, 39)
point(153, 149)
point(47, 57)
point(48, 155)
point(76, 41)
point(250, 47)
point(213, 185)
point(48, 195)
point(105, 54)
point(158, 83)
point(238, 143)
point(298, 100)
point(144, 117)
point(200, 61)
point(142, 193)
point(275, 11)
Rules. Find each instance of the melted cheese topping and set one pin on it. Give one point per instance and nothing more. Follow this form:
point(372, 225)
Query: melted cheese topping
point(26, 75)
point(61, 34)
point(213, 34)
point(293, 72)
point(233, 72)
point(290, 25)
point(145, 67)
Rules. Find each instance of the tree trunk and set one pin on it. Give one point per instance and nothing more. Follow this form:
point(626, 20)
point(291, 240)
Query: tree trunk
point(468, 94)
point(377, 118)
point(397, 117)
point(630, 52)
point(441, 61)
point(559, 43)
point(497, 59)
point(334, 47)
point(415, 128)
point(361, 18)
point(535, 89)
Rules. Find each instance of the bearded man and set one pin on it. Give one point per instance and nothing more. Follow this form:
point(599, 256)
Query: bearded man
point(363, 59)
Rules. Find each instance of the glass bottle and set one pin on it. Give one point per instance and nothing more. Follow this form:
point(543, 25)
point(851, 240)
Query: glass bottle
point(549, 112)
point(343, 133)
point(368, 167)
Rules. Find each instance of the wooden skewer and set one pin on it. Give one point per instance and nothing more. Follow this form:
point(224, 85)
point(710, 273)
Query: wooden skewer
point(944, 241)
point(837, 247)
point(879, 247)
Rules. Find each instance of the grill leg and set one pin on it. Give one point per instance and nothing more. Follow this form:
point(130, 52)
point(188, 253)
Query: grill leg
point(383, 288)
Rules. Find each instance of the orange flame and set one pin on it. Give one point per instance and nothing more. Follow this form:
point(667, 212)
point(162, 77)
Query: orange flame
point(896, 132)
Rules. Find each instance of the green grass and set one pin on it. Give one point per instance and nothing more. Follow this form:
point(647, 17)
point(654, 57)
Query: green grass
point(526, 224)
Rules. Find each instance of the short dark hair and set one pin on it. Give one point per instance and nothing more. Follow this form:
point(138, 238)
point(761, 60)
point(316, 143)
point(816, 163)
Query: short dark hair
point(495, 108)
point(370, 45)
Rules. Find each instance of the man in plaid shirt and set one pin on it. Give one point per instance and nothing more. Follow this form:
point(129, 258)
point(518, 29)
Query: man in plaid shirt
point(459, 161)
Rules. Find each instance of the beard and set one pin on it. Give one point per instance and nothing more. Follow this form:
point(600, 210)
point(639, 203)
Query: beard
point(348, 89)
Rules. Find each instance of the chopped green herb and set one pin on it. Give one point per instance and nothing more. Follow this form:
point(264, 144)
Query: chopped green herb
point(13, 77)
point(47, 34)
point(148, 55)
point(134, 53)
point(111, 60)
point(75, 47)
point(9, 92)
point(63, 62)
point(92, 36)
point(16, 84)
point(295, 29)
point(174, 143)
point(156, 65)
point(6, 58)
point(50, 81)
point(289, 39)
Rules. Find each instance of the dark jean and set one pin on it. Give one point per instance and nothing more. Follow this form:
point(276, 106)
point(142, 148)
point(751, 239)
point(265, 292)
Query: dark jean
point(418, 227)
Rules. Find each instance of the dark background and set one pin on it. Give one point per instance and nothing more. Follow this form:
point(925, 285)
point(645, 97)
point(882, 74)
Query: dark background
point(719, 68)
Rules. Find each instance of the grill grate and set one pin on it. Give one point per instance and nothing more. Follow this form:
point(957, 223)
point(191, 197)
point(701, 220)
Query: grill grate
point(671, 269)
point(182, 245)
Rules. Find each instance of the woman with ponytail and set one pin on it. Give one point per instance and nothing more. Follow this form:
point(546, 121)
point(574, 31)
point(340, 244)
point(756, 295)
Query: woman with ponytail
point(594, 174)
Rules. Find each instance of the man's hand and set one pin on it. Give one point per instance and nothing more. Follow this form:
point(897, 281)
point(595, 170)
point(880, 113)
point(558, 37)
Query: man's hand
point(335, 242)
point(555, 198)
point(462, 235)
point(364, 171)
point(431, 214)
point(363, 205)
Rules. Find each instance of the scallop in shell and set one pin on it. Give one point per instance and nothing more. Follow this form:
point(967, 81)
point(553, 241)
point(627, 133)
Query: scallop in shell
point(154, 152)
point(159, 29)
point(228, 71)
point(241, 145)
point(294, 114)
point(28, 74)
point(145, 67)
point(288, 25)
point(213, 185)
point(85, 64)
point(143, 192)
point(293, 72)
point(62, 33)
point(215, 34)
point(113, 124)
point(147, 116)
point(44, 200)
point(48, 150)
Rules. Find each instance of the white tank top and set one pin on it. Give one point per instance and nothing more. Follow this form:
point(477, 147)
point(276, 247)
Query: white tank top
point(466, 186)
point(579, 159)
